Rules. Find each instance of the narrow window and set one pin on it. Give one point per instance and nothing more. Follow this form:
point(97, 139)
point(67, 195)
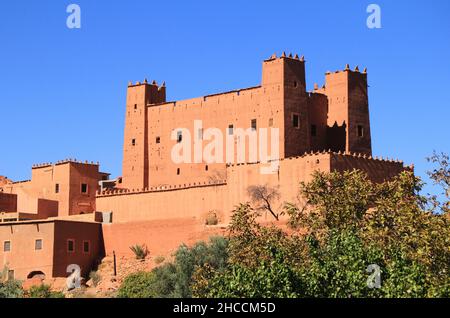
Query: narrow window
point(179, 136)
point(295, 84)
point(360, 131)
point(295, 121)
point(135, 106)
point(270, 122)
point(70, 246)
point(38, 245)
point(11, 275)
point(133, 142)
point(7, 246)
point(230, 129)
point(86, 247)
point(84, 188)
point(206, 168)
point(158, 140)
point(254, 124)
point(178, 171)
point(57, 188)
point(313, 130)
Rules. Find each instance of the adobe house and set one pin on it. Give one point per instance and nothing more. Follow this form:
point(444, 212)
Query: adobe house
point(65, 188)
point(45, 248)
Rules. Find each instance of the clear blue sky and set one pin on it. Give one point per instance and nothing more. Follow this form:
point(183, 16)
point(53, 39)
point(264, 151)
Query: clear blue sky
point(62, 91)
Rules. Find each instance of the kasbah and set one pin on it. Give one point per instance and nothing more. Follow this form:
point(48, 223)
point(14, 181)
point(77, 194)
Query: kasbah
point(72, 213)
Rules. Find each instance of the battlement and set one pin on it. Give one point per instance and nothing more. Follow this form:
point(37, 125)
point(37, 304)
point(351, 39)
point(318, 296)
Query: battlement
point(347, 69)
point(65, 161)
point(285, 56)
point(115, 192)
point(314, 154)
point(146, 82)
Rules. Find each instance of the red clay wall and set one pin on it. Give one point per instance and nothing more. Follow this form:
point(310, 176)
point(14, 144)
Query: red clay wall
point(162, 237)
point(195, 201)
point(8, 202)
point(79, 232)
point(23, 259)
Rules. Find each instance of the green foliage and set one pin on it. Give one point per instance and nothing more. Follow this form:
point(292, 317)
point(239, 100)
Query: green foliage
point(441, 176)
point(43, 291)
point(11, 289)
point(140, 251)
point(173, 280)
point(138, 285)
point(345, 224)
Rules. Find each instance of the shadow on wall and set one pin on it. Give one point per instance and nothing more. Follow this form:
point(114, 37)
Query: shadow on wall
point(336, 137)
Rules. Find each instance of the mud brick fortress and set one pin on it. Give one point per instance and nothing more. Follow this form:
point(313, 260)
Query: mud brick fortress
point(71, 213)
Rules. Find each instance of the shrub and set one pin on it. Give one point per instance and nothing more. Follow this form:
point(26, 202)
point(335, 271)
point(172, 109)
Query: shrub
point(95, 277)
point(212, 219)
point(140, 251)
point(138, 285)
point(174, 279)
point(159, 259)
point(11, 289)
point(44, 291)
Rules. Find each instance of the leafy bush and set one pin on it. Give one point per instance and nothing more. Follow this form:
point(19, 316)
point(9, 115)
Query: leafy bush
point(43, 291)
point(212, 219)
point(11, 289)
point(138, 285)
point(174, 279)
point(140, 251)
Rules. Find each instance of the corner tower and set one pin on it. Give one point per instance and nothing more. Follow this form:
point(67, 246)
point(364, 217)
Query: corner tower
point(284, 81)
point(135, 165)
point(348, 111)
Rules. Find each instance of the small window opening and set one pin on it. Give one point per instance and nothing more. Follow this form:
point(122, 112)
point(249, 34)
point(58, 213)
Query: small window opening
point(57, 188)
point(158, 140)
point(360, 131)
point(7, 246)
point(178, 171)
point(313, 130)
point(38, 245)
point(179, 136)
point(254, 125)
point(133, 142)
point(86, 247)
point(230, 129)
point(70, 245)
point(296, 121)
point(84, 188)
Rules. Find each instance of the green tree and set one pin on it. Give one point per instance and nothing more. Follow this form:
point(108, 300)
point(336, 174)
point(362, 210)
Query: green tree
point(344, 224)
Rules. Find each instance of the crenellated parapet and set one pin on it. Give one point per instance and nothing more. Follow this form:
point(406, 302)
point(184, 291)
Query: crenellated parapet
point(165, 188)
point(65, 161)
